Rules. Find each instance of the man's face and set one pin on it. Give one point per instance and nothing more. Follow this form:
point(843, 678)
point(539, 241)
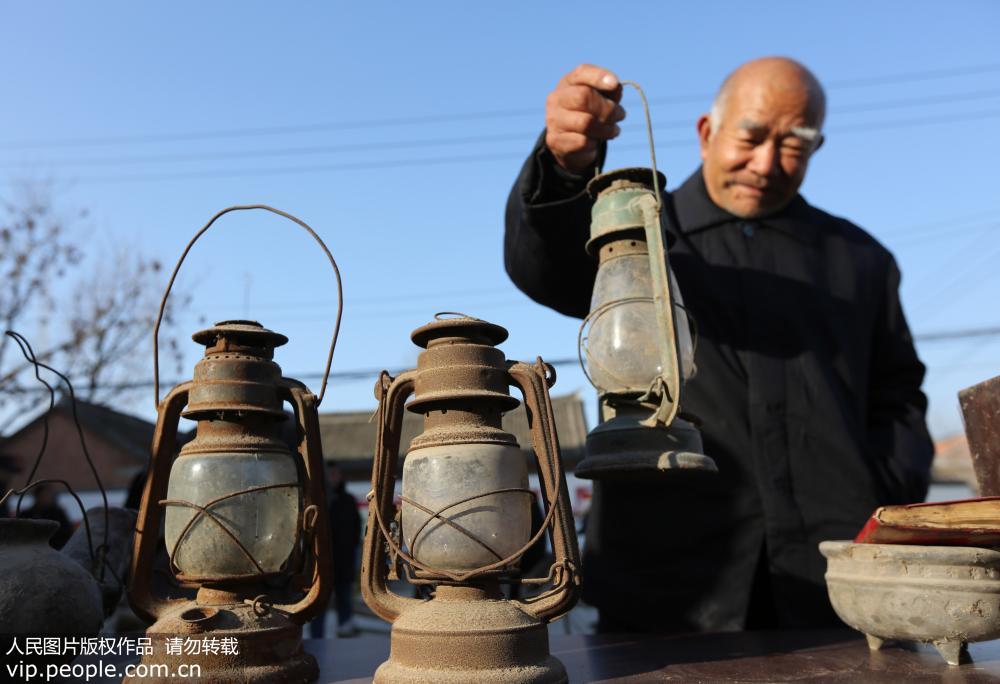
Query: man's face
point(756, 158)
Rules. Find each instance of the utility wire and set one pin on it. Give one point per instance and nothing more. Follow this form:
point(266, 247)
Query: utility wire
point(942, 223)
point(472, 158)
point(313, 150)
point(371, 373)
point(451, 118)
point(956, 232)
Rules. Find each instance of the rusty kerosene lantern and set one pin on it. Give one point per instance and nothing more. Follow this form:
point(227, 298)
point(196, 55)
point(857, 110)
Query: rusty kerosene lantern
point(638, 346)
point(465, 519)
point(243, 513)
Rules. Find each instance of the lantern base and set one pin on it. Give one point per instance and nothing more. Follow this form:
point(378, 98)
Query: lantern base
point(623, 448)
point(460, 637)
point(200, 637)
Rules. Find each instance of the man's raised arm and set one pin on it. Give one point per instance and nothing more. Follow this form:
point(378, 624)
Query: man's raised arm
point(548, 211)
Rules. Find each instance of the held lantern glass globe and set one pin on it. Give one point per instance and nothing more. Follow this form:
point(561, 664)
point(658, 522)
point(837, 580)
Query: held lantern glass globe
point(623, 343)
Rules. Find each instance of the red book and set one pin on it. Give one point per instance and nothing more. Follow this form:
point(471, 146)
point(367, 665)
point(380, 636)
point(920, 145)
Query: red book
point(969, 522)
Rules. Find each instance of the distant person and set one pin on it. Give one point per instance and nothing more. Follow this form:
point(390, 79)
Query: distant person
point(345, 533)
point(135, 488)
point(46, 507)
point(808, 384)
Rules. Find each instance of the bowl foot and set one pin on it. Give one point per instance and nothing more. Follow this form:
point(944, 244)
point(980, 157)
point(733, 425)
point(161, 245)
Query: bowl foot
point(874, 642)
point(953, 651)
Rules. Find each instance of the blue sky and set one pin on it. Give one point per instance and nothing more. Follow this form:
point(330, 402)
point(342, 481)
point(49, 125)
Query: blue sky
point(396, 130)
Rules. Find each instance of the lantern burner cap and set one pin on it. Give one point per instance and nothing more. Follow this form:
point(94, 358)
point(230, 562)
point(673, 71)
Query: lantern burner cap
point(473, 330)
point(636, 175)
point(250, 333)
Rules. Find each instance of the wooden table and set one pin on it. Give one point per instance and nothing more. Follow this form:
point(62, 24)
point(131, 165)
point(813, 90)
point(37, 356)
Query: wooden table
point(781, 656)
point(808, 655)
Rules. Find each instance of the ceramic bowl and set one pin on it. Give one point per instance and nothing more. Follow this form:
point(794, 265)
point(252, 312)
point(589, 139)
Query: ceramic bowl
point(945, 595)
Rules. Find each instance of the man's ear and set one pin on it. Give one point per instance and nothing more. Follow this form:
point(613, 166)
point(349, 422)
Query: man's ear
point(704, 127)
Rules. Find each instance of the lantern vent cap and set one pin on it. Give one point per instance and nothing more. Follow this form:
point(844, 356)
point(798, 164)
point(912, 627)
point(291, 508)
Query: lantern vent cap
point(247, 332)
point(468, 328)
point(635, 175)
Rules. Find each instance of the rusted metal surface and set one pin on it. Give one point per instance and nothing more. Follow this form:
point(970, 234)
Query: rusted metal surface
point(268, 645)
point(981, 413)
point(618, 218)
point(466, 632)
point(236, 396)
point(236, 373)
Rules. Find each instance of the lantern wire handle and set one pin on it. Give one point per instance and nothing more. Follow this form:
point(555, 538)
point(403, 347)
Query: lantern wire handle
point(173, 276)
point(652, 147)
point(98, 554)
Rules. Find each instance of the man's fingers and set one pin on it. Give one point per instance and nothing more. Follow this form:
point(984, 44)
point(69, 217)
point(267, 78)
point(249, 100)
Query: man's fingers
point(562, 143)
point(595, 77)
point(583, 123)
point(586, 99)
point(581, 113)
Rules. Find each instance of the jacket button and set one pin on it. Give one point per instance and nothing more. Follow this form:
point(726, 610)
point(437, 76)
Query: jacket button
point(748, 229)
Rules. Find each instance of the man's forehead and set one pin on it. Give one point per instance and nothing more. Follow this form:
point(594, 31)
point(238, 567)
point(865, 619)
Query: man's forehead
point(762, 102)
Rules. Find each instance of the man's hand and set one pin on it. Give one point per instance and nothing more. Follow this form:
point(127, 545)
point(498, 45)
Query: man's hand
point(580, 113)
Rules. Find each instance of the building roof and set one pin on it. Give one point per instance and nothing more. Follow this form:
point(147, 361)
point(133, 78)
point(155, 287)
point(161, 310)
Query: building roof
point(953, 462)
point(119, 445)
point(131, 434)
point(349, 437)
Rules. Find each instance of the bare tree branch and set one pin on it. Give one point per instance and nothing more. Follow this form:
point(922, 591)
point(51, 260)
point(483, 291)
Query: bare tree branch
point(102, 332)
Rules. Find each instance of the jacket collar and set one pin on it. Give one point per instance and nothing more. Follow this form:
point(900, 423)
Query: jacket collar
point(696, 211)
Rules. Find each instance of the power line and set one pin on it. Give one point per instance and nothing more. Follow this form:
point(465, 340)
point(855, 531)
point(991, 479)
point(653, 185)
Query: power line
point(923, 237)
point(312, 150)
point(943, 223)
point(923, 121)
point(948, 335)
point(958, 280)
point(366, 373)
point(865, 82)
point(915, 101)
point(474, 158)
point(448, 118)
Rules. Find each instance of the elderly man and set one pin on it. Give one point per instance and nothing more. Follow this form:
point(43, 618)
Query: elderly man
point(808, 384)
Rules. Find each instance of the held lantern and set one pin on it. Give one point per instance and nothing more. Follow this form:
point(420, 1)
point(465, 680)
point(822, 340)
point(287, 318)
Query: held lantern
point(638, 350)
